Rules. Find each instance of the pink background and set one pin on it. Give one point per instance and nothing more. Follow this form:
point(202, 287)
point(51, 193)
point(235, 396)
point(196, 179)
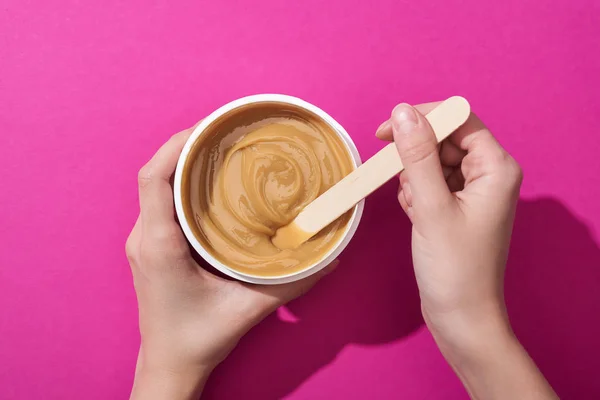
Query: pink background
point(89, 90)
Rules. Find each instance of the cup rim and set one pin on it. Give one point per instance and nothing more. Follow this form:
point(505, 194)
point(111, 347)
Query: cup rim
point(187, 230)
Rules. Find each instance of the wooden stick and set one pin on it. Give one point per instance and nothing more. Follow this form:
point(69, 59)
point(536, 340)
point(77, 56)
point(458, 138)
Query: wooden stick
point(444, 119)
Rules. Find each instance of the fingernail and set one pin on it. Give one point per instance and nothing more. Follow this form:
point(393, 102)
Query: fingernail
point(383, 127)
point(404, 119)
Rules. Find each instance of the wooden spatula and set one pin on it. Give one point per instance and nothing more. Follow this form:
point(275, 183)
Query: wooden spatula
point(444, 119)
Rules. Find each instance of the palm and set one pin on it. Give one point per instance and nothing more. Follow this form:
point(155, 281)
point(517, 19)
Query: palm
point(188, 315)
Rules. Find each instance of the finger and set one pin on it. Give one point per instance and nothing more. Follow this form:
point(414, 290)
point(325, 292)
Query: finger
point(156, 197)
point(460, 142)
point(447, 171)
point(417, 146)
point(132, 245)
point(485, 156)
point(472, 130)
point(450, 154)
point(405, 187)
point(268, 298)
point(463, 135)
point(404, 202)
point(384, 132)
point(455, 180)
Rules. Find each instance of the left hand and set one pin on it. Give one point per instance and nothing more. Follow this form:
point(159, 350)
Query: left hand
point(190, 319)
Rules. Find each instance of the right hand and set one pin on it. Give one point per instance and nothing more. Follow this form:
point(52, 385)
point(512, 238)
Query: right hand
point(461, 198)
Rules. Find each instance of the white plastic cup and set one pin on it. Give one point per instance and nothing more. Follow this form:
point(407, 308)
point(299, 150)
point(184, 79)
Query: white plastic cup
point(185, 224)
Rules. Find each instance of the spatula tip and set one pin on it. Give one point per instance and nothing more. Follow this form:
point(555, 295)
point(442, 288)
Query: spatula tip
point(460, 103)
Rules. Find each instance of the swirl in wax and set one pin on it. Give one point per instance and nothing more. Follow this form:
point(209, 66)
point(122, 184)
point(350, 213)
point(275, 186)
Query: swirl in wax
point(250, 178)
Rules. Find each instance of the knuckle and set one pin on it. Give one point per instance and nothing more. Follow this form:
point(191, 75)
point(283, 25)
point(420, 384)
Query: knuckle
point(473, 162)
point(164, 234)
point(497, 160)
point(514, 172)
point(150, 253)
point(144, 176)
point(507, 168)
point(417, 151)
point(131, 247)
point(165, 242)
point(402, 201)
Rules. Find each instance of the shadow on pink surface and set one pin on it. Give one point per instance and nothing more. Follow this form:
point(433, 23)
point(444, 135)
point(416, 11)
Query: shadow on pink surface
point(371, 298)
point(552, 294)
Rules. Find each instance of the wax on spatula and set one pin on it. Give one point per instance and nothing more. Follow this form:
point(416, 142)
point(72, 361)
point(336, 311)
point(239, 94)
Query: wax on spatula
point(444, 119)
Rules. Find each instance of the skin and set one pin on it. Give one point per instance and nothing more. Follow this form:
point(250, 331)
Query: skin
point(461, 198)
point(189, 318)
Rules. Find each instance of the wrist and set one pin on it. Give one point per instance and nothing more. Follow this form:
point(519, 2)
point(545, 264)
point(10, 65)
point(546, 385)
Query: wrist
point(158, 382)
point(488, 358)
point(467, 333)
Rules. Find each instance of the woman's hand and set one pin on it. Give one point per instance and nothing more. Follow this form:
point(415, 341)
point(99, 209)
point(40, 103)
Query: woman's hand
point(189, 319)
point(461, 198)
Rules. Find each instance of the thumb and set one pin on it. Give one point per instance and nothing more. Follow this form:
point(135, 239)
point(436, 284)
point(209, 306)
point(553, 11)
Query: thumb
point(417, 146)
